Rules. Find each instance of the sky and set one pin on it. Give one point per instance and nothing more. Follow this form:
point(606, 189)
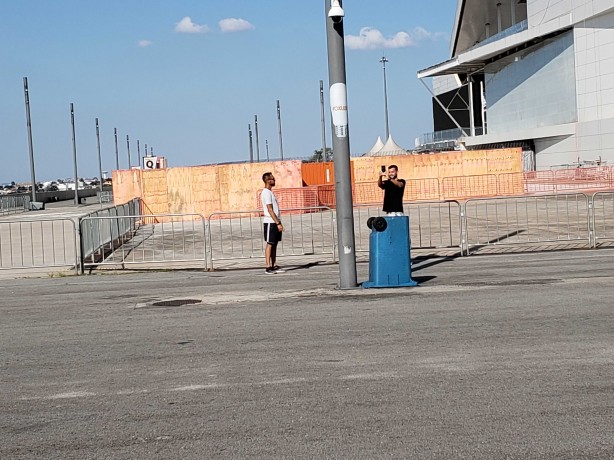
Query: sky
point(186, 77)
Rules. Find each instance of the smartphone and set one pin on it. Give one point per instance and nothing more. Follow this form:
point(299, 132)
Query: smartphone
point(383, 168)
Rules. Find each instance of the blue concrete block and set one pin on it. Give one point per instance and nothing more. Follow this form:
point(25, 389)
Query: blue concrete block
point(389, 254)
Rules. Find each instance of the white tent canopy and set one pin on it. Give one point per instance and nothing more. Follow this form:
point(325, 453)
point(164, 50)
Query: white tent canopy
point(377, 147)
point(389, 148)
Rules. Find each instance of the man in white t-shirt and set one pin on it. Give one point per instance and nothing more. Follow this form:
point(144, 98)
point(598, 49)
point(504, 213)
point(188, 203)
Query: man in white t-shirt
point(272, 224)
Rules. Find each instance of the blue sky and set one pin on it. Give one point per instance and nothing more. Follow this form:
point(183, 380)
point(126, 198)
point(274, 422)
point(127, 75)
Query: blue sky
point(187, 76)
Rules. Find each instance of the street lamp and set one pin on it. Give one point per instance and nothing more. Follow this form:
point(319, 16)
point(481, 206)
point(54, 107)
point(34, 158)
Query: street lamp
point(383, 60)
point(341, 144)
point(30, 146)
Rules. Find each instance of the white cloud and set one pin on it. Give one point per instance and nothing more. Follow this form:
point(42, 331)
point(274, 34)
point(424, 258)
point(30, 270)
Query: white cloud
point(371, 38)
point(144, 43)
point(235, 25)
point(186, 26)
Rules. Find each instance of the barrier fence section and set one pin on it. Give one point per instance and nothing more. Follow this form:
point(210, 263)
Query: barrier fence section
point(432, 225)
point(145, 239)
point(14, 204)
point(39, 243)
point(99, 235)
point(602, 206)
point(527, 220)
point(461, 187)
point(239, 235)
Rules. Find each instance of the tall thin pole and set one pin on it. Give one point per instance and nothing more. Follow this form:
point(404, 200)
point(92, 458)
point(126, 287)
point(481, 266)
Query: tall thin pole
point(146, 150)
point(471, 113)
point(138, 149)
point(383, 60)
point(266, 143)
point(30, 143)
point(323, 118)
point(281, 144)
point(74, 152)
point(257, 141)
point(251, 144)
point(116, 151)
point(99, 154)
point(341, 150)
point(129, 158)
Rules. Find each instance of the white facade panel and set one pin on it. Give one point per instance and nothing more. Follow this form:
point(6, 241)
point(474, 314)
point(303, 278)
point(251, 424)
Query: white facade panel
point(542, 11)
point(534, 89)
point(595, 67)
point(555, 151)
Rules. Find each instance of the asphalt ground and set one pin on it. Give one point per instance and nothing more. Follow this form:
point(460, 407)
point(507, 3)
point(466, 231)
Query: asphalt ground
point(494, 356)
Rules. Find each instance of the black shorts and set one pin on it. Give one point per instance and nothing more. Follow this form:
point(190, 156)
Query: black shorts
point(272, 235)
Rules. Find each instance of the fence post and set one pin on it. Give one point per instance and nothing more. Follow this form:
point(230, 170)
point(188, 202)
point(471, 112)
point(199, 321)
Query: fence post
point(80, 258)
point(464, 231)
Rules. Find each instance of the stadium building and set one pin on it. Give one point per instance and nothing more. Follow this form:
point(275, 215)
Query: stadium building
point(532, 73)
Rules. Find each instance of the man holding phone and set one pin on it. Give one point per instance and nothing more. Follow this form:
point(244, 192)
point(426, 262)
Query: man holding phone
point(393, 190)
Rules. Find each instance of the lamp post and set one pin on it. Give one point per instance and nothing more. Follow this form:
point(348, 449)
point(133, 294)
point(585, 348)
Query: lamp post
point(30, 144)
point(99, 155)
point(74, 152)
point(324, 158)
point(251, 144)
point(116, 151)
point(341, 144)
point(128, 146)
point(383, 60)
point(257, 139)
point(281, 144)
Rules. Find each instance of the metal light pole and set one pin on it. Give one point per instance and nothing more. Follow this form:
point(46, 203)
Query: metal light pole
point(99, 155)
point(383, 60)
point(129, 158)
point(30, 144)
point(138, 149)
point(74, 152)
point(322, 117)
point(281, 144)
point(257, 141)
point(341, 144)
point(251, 144)
point(116, 151)
point(266, 143)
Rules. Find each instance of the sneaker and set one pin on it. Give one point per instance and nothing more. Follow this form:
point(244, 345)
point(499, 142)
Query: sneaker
point(269, 271)
point(278, 269)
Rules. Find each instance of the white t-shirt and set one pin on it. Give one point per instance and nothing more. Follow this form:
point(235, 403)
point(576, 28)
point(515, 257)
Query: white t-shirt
point(269, 198)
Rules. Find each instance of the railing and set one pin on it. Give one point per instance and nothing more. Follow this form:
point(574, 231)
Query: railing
point(467, 186)
point(537, 222)
point(602, 217)
point(239, 235)
point(527, 220)
point(38, 244)
point(13, 204)
point(516, 28)
point(99, 235)
point(135, 239)
point(432, 225)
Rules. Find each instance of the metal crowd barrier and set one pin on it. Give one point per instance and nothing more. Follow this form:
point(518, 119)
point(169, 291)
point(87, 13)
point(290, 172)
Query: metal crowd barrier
point(14, 204)
point(432, 224)
point(96, 238)
point(527, 220)
point(239, 235)
point(38, 244)
point(602, 217)
point(144, 239)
